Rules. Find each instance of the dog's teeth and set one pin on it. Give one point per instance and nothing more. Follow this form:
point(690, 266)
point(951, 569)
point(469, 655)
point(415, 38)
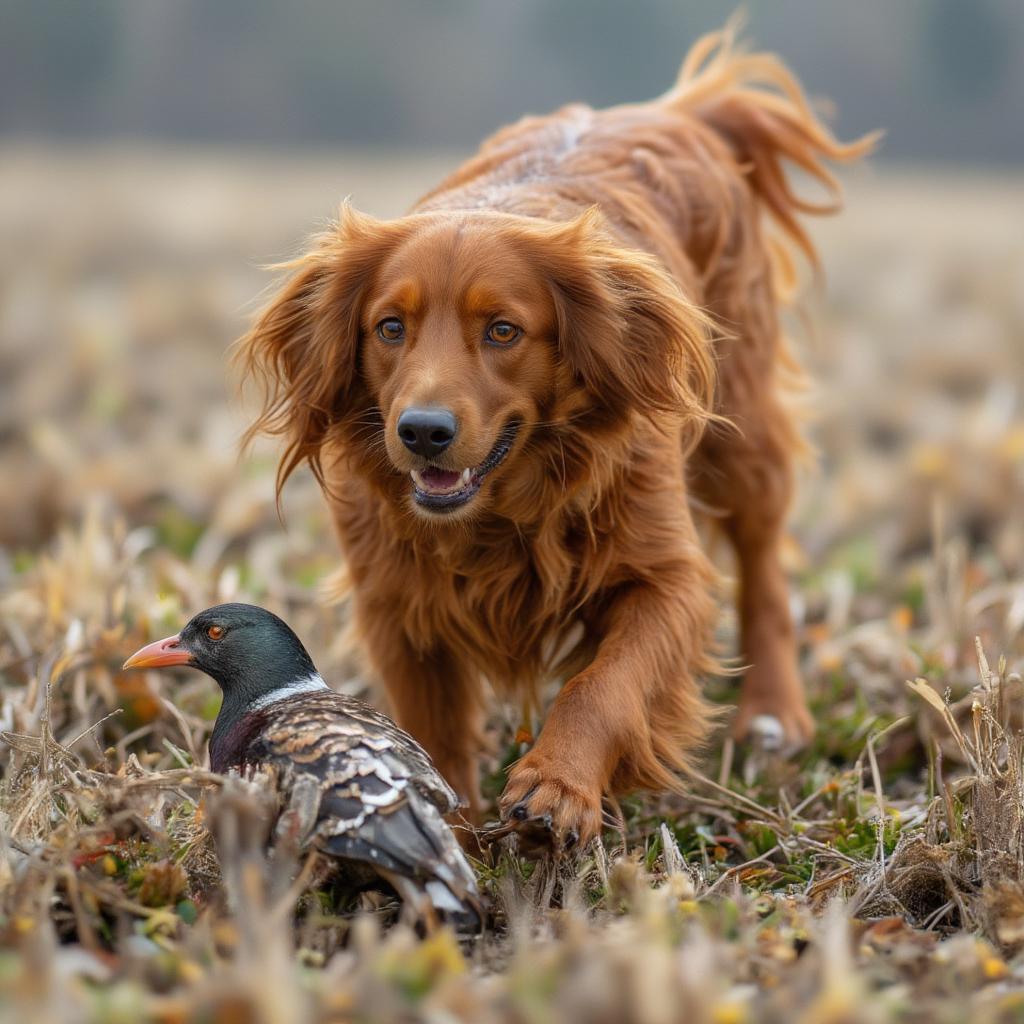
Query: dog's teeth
point(466, 474)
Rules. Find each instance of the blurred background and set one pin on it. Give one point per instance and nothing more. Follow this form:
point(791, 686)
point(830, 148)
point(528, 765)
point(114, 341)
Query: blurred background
point(945, 76)
point(154, 155)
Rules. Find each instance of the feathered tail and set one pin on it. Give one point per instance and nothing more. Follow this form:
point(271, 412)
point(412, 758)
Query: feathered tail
point(755, 103)
point(411, 845)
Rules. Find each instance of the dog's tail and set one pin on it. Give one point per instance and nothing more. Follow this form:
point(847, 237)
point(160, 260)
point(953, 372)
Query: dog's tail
point(756, 104)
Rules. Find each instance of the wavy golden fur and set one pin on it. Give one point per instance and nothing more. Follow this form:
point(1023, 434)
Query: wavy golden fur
point(627, 252)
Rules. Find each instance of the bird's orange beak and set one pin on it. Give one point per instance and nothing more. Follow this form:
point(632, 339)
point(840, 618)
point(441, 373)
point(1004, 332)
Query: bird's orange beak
point(160, 654)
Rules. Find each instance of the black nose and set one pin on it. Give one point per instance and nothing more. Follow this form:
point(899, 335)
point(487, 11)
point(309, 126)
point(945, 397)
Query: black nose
point(427, 431)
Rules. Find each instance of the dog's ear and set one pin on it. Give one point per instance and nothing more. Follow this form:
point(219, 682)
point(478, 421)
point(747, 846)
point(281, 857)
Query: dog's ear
point(624, 327)
point(303, 347)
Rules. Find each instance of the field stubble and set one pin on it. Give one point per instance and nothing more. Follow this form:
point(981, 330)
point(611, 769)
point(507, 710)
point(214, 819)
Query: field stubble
point(876, 877)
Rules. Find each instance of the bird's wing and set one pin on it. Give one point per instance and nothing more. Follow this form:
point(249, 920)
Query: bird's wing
point(425, 776)
point(371, 808)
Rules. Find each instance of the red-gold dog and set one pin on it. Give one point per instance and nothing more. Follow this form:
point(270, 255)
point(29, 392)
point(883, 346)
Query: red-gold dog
point(510, 396)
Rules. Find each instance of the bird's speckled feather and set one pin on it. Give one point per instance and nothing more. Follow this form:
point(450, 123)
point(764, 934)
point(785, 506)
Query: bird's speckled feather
point(361, 789)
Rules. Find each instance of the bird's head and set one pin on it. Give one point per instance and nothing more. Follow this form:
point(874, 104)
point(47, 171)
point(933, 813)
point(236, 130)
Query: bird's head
point(249, 651)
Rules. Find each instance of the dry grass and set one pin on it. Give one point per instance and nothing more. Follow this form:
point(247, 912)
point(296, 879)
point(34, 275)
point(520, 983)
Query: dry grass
point(876, 877)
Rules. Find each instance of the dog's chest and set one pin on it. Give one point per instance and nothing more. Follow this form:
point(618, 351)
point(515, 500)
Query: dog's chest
point(506, 603)
point(500, 607)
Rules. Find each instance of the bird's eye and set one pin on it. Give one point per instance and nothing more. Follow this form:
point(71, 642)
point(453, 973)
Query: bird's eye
point(214, 632)
point(391, 330)
point(503, 333)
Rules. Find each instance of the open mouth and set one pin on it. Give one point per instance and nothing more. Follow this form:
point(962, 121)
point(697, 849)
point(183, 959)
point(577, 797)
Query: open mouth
point(442, 490)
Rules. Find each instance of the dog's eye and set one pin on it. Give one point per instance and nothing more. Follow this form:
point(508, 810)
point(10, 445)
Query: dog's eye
point(503, 333)
point(214, 632)
point(391, 330)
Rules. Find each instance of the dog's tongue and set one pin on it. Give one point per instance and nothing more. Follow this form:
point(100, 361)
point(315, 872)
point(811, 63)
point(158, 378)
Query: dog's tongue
point(442, 479)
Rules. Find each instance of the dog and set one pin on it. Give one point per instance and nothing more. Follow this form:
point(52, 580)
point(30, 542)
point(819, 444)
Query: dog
point(519, 399)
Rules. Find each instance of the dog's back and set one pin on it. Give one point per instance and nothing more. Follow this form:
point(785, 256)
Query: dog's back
point(691, 169)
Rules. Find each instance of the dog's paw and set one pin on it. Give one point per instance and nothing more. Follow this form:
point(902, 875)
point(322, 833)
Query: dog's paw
point(767, 733)
point(773, 725)
point(549, 812)
point(770, 736)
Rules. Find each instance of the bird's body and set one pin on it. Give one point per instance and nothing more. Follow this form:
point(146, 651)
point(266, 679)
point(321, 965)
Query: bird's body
point(357, 788)
point(352, 785)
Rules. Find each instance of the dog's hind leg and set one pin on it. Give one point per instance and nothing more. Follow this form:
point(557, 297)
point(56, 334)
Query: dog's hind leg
point(746, 474)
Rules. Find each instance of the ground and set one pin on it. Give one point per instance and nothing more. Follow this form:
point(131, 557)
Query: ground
point(876, 876)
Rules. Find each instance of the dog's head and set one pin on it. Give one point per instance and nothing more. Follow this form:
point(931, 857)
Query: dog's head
point(442, 350)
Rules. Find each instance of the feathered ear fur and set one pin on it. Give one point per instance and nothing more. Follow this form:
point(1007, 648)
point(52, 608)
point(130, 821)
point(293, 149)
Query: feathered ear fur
point(624, 327)
point(304, 346)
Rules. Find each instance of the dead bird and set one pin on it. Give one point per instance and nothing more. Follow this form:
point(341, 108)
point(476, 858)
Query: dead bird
point(355, 787)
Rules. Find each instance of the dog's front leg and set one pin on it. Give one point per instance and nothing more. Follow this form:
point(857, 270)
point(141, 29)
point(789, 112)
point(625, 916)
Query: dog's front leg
point(628, 719)
point(436, 698)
